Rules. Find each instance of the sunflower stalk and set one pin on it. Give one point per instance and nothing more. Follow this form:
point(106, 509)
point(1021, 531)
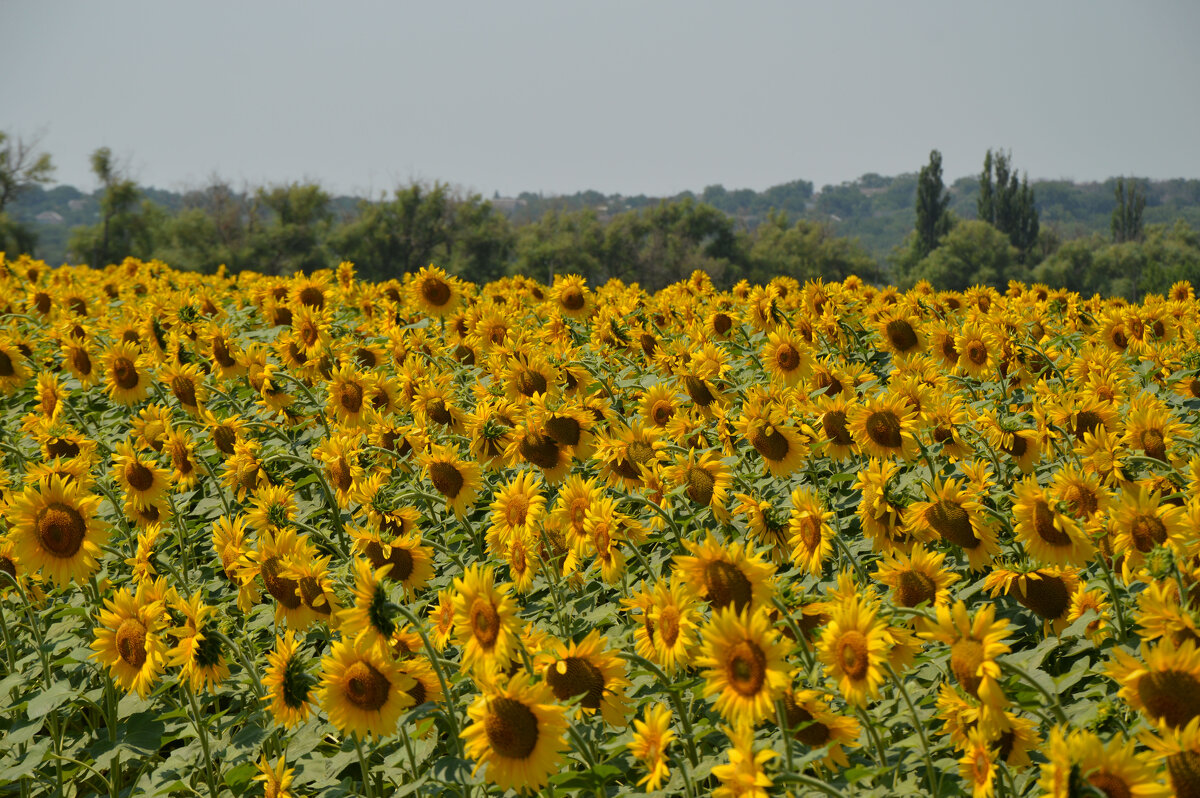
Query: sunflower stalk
point(362, 764)
point(935, 781)
point(674, 690)
point(447, 695)
point(1051, 698)
point(202, 732)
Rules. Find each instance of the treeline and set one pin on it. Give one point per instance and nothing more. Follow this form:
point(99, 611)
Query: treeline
point(988, 229)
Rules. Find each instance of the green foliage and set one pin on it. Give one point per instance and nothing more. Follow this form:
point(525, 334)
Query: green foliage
point(806, 251)
point(1127, 216)
point(1008, 204)
point(972, 253)
point(933, 219)
point(21, 169)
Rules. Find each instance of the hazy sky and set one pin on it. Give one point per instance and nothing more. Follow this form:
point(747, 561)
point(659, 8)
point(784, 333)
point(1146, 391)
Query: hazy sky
point(629, 97)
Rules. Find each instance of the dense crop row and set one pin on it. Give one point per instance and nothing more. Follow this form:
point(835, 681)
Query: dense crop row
point(322, 536)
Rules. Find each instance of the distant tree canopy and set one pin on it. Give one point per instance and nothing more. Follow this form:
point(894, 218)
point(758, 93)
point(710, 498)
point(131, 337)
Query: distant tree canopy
point(1123, 236)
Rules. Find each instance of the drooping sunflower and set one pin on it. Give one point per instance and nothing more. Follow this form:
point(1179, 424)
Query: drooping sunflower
point(813, 723)
point(339, 453)
point(186, 382)
point(14, 370)
point(883, 426)
point(1180, 748)
point(854, 647)
point(273, 507)
point(485, 623)
point(731, 574)
point(954, 515)
point(745, 664)
point(362, 690)
point(810, 535)
point(765, 427)
point(126, 373)
point(1049, 535)
point(626, 451)
point(1045, 591)
point(974, 645)
point(532, 443)
point(917, 577)
point(289, 683)
point(1113, 768)
point(143, 481)
point(411, 562)
point(767, 524)
point(457, 480)
point(199, 652)
point(178, 445)
point(651, 738)
point(55, 529)
point(128, 639)
point(589, 670)
point(516, 733)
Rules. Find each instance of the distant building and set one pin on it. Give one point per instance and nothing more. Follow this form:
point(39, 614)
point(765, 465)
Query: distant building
point(507, 204)
point(50, 217)
point(77, 204)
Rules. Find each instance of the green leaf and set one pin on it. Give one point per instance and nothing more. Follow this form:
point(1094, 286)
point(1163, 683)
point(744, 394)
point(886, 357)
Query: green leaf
point(33, 758)
point(49, 699)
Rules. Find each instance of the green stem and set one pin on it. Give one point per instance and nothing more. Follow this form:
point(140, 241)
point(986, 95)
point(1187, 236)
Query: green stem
point(209, 771)
point(362, 764)
point(935, 781)
point(1051, 698)
point(447, 696)
point(676, 701)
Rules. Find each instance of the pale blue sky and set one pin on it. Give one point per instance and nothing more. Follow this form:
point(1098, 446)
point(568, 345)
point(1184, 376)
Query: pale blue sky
point(629, 97)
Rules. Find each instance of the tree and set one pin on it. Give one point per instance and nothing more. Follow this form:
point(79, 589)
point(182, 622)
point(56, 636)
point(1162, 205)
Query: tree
point(805, 250)
point(1008, 204)
point(292, 235)
point(127, 227)
point(21, 168)
point(1127, 216)
point(973, 253)
point(933, 202)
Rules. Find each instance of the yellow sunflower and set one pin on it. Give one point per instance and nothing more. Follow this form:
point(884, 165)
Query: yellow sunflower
point(766, 428)
point(854, 647)
point(659, 404)
point(744, 776)
point(588, 670)
point(14, 370)
point(516, 734)
point(186, 382)
point(362, 690)
point(1049, 535)
point(485, 622)
point(954, 514)
point(1112, 768)
point(1045, 591)
point(199, 653)
point(917, 577)
point(810, 535)
point(974, 645)
point(1164, 682)
point(651, 738)
point(787, 358)
point(143, 481)
point(128, 639)
point(276, 779)
point(726, 574)
point(55, 529)
point(705, 480)
point(457, 480)
point(435, 292)
point(883, 427)
point(1180, 748)
point(745, 664)
point(289, 683)
point(1141, 522)
point(372, 619)
point(125, 373)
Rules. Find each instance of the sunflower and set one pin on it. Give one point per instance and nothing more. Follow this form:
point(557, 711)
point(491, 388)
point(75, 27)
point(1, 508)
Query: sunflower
point(901, 333)
point(810, 535)
point(411, 562)
point(779, 444)
point(339, 453)
point(744, 776)
point(372, 619)
point(362, 690)
point(485, 622)
point(1045, 591)
point(745, 664)
point(347, 400)
point(177, 444)
point(672, 614)
point(1049, 535)
point(1082, 491)
point(516, 734)
point(1151, 428)
point(142, 480)
point(883, 426)
point(1181, 750)
point(517, 508)
point(276, 779)
point(704, 479)
point(128, 640)
point(978, 351)
point(55, 529)
point(838, 442)
point(974, 645)
point(917, 577)
point(627, 451)
point(433, 405)
point(946, 417)
point(853, 648)
point(457, 480)
point(768, 526)
point(186, 382)
point(1141, 522)
point(199, 653)
point(273, 509)
point(658, 404)
point(272, 560)
point(1164, 682)
point(786, 357)
point(125, 372)
point(435, 292)
point(956, 516)
point(977, 766)
point(651, 738)
point(879, 514)
point(732, 574)
point(77, 357)
point(14, 371)
point(588, 671)
point(289, 683)
point(532, 443)
point(814, 724)
point(315, 589)
point(441, 619)
point(1113, 768)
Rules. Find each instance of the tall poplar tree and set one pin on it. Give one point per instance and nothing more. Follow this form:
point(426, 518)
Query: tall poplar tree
point(933, 202)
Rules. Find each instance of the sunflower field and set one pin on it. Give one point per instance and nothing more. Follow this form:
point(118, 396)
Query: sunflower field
point(319, 536)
